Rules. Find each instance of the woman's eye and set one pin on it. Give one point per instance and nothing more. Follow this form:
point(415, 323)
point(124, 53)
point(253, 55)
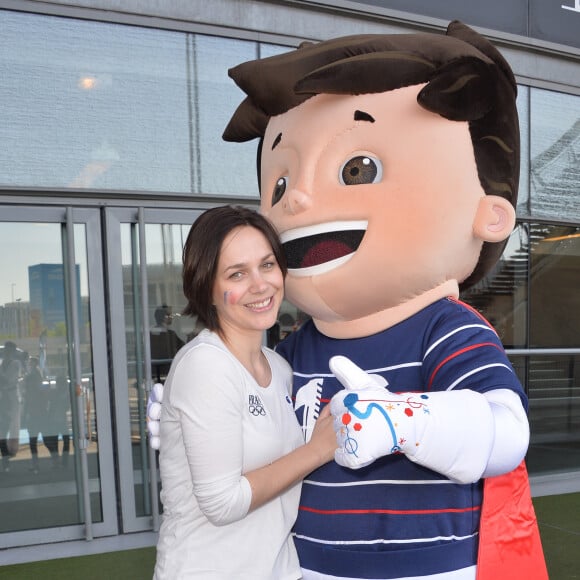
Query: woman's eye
point(279, 190)
point(361, 169)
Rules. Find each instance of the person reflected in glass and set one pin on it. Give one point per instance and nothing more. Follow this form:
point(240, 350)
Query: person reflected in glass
point(232, 454)
point(59, 405)
point(10, 375)
point(164, 341)
point(35, 408)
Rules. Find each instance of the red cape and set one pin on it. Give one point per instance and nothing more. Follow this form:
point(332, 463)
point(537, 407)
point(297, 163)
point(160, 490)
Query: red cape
point(509, 540)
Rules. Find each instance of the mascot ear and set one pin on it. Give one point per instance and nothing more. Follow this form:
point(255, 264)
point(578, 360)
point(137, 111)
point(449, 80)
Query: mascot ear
point(462, 90)
point(495, 219)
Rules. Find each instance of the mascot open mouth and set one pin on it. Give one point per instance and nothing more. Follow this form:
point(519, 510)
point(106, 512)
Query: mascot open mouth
point(313, 250)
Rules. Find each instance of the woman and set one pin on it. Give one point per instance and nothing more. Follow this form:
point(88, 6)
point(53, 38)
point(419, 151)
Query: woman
point(232, 454)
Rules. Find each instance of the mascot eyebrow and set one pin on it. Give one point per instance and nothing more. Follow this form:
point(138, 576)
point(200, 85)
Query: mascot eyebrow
point(277, 141)
point(363, 116)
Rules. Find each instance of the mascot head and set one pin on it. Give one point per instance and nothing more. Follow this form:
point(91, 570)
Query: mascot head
point(388, 164)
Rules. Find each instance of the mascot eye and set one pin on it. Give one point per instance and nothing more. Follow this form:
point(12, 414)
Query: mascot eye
point(279, 190)
point(361, 169)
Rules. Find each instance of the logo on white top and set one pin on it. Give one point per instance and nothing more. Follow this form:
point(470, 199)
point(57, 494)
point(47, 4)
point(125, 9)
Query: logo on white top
point(255, 406)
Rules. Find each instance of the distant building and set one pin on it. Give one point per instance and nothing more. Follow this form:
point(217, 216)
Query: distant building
point(47, 294)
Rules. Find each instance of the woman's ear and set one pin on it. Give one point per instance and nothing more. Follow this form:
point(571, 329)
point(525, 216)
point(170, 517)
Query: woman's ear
point(495, 219)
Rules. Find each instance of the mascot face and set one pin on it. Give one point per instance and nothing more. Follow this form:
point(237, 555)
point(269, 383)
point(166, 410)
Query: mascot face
point(377, 201)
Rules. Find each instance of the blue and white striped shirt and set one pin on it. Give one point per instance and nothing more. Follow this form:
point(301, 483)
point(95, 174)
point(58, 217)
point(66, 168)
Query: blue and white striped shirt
point(394, 518)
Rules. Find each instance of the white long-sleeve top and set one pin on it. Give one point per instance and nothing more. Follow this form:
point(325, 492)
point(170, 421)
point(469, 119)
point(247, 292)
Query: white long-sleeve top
point(218, 423)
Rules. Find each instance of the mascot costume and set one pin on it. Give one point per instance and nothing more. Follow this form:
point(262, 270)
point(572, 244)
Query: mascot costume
point(389, 165)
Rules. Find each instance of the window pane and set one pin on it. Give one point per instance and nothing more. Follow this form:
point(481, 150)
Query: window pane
point(168, 329)
point(554, 150)
point(86, 104)
point(554, 296)
point(523, 101)
point(554, 395)
point(226, 168)
point(267, 50)
point(502, 295)
point(41, 471)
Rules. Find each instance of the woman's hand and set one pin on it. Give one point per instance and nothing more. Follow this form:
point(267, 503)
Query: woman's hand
point(323, 440)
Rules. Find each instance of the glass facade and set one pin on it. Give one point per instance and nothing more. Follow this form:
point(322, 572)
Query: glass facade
point(531, 297)
point(90, 105)
point(100, 109)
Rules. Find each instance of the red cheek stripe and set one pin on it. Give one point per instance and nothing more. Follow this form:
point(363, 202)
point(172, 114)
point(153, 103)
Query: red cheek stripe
point(229, 298)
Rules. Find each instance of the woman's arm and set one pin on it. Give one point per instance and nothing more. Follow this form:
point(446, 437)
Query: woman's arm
point(205, 392)
point(270, 481)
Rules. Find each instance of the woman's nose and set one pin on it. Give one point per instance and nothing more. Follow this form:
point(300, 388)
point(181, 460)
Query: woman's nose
point(259, 283)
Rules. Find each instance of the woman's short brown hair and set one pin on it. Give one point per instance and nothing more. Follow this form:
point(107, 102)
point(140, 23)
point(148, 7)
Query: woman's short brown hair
point(202, 251)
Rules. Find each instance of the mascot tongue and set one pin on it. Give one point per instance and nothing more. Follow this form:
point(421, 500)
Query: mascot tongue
point(324, 252)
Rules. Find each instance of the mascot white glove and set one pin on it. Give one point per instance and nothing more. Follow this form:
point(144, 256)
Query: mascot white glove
point(450, 432)
point(154, 407)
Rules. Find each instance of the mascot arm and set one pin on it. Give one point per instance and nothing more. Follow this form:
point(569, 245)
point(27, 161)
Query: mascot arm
point(461, 434)
point(512, 432)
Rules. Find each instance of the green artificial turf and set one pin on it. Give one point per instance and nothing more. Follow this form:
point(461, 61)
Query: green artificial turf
point(558, 516)
point(559, 520)
point(128, 565)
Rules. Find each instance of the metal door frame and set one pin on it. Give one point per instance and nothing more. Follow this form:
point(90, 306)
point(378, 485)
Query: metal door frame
point(138, 217)
point(90, 218)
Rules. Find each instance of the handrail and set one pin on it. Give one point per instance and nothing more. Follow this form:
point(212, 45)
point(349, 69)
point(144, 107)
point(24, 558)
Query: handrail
point(541, 351)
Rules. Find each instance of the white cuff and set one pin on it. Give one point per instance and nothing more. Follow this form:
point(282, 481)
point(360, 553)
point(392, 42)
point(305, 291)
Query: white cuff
point(512, 432)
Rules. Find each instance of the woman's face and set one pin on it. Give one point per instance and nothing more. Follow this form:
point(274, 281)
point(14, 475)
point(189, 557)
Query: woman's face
point(249, 285)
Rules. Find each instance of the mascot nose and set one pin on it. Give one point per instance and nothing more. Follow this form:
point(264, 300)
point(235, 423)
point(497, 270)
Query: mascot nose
point(296, 201)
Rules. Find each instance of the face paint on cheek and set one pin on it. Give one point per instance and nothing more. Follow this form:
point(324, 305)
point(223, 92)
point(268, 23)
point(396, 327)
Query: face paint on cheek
point(230, 298)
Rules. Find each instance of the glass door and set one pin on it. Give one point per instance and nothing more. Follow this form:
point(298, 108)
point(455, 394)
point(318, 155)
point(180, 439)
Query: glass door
point(147, 329)
point(56, 468)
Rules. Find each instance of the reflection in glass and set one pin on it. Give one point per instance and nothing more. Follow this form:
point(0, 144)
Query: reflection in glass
point(554, 151)
point(106, 106)
point(168, 329)
point(40, 481)
point(92, 105)
point(523, 100)
point(502, 295)
point(554, 412)
point(554, 296)
point(226, 168)
point(552, 380)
